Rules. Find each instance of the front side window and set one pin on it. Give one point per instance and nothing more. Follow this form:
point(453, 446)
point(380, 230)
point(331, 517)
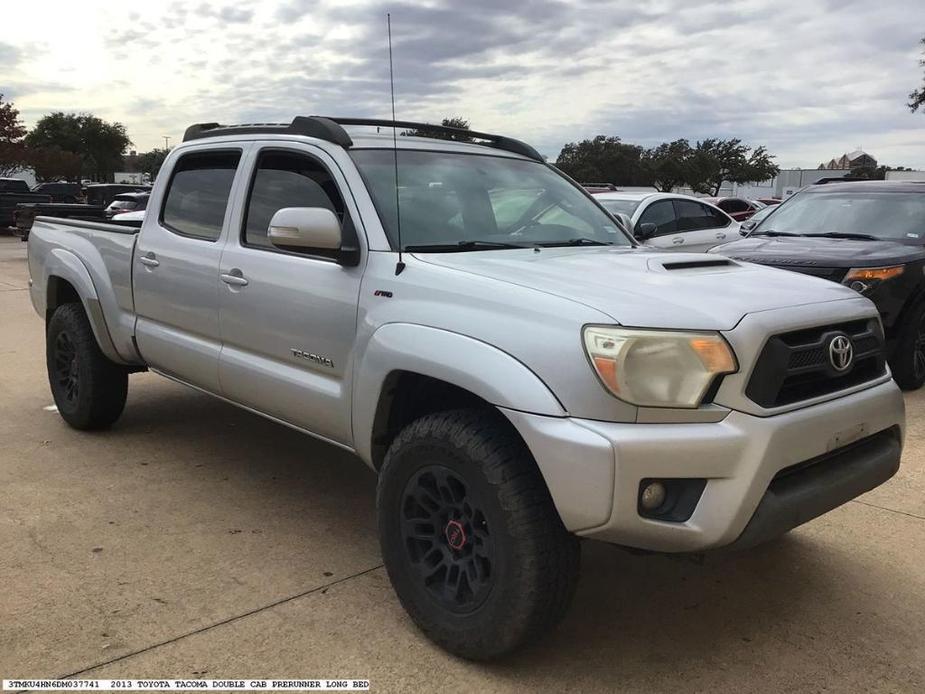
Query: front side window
point(446, 199)
point(198, 192)
point(662, 215)
point(287, 179)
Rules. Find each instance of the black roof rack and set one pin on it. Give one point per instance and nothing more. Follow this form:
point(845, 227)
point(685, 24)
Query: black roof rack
point(331, 129)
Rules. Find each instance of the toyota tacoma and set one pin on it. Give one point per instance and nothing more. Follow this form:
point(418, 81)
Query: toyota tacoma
point(480, 332)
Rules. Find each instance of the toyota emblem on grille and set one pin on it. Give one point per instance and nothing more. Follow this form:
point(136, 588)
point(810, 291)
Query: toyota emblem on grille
point(840, 352)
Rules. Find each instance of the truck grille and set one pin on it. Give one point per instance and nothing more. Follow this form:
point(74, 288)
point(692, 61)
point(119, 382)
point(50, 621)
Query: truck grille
point(796, 366)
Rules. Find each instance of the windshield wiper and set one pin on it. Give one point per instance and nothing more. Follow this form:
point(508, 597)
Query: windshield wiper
point(771, 232)
point(581, 241)
point(473, 245)
point(844, 235)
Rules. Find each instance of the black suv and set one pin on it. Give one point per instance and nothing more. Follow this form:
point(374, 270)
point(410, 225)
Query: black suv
point(868, 235)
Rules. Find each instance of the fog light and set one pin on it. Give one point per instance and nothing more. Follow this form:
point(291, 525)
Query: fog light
point(653, 496)
point(859, 287)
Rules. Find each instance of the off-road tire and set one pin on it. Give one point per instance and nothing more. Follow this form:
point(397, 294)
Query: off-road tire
point(531, 576)
point(89, 389)
point(908, 360)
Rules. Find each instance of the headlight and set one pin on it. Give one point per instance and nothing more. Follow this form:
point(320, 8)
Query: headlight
point(658, 368)
point(861, 279)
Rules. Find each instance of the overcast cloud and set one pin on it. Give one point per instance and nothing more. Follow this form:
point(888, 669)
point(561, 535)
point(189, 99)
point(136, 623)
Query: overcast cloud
point(810, 79)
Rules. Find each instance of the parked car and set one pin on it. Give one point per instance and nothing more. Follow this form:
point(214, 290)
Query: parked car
point(61, 192)
point(25, 214)
point(869, 236)
point(102, 194)
point(132, 218)
point(516, 369)
point(14, 185)
point(127, 202)
point(739, 209)
point(769, 201)
point(14, 191)
point(667, 220)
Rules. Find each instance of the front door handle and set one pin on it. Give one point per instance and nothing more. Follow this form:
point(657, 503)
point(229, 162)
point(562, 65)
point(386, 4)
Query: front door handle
point(234, 277)
point(677, 240)
point(721, 235)
point(149, 259)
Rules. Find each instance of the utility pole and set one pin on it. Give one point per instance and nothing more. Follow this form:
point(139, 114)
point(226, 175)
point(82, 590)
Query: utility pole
point(166, 142)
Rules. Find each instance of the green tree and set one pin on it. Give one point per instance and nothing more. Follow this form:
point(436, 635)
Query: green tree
point(874, 173)
point(604, 159)
point(12, 131)
point(99, 144)
point(917, 96)
point(714, 161)
point(54, 164)
point(151, 162)
point(454, 122)
point(668, 164)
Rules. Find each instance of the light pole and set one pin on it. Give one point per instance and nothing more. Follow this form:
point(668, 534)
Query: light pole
point(166, 142)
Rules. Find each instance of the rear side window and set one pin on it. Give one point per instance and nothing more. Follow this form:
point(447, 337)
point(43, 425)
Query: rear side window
point(198, 192)
point(693, 216)
point(287, 179)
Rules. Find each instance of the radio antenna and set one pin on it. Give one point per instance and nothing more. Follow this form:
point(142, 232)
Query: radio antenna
point(401, 264)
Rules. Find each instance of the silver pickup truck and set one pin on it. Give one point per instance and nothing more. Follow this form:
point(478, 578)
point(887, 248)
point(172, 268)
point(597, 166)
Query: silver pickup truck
point(479, 331)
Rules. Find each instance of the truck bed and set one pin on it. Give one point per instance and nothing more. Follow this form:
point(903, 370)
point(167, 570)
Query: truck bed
point(99, 255)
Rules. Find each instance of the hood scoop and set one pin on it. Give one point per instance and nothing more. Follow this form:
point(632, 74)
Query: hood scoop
point(693, 265)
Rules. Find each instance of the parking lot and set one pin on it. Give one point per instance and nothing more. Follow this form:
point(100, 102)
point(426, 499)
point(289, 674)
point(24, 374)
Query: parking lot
point(195, 539)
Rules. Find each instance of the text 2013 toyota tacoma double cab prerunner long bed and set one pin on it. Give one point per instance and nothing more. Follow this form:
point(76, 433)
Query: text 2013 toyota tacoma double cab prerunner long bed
point(523, 375)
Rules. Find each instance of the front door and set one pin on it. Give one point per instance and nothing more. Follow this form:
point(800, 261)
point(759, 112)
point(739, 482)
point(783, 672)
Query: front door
point(288, 320)
point(175, 278)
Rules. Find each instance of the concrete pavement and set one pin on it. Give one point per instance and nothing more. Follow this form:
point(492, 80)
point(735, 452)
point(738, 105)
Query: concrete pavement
point(195, 539)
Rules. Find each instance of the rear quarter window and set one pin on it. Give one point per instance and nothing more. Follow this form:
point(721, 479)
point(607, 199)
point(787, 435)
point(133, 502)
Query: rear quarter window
point(198, 192)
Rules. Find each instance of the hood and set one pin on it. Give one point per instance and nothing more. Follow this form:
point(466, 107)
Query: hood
point(814, 252)
point(639, 287)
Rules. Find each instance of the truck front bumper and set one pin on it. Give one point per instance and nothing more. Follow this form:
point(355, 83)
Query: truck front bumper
point(764, 475)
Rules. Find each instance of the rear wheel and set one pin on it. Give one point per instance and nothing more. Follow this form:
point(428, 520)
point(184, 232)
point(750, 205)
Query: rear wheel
point(473, 545)
point(908, 361)
point(89, 390)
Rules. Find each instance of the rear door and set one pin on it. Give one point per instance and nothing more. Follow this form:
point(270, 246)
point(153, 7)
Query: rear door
point(288, 319)
point(175, 278)
point(703, 226)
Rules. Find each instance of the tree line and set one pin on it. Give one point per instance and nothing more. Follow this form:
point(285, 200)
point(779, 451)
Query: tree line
point(703, 166)
point(67, 146)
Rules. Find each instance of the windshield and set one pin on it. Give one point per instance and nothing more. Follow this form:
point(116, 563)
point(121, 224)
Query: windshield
point(448, 199)
point(626, 207)
point(896, 216)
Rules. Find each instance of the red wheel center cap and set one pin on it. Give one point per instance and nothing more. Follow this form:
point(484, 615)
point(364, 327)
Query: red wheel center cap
point(455, 535)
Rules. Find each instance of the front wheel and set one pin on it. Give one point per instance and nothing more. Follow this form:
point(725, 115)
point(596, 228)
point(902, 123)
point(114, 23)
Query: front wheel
point(89, 390)
point(908, 360)
point(471, 540)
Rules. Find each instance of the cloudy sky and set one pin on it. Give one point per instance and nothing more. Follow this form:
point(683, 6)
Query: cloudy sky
point(810, 79)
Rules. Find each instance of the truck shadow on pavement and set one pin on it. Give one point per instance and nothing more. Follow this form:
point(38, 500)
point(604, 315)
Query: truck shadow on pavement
point(633, 613)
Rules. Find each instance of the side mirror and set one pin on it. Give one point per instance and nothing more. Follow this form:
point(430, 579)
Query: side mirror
point(297, 228)
point(646, 231)
point(746, 227)
point(312, 228)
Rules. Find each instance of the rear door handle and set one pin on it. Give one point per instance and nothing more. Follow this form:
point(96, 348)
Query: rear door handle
point(149, 259)
point(234, 277)
point(721, 235)
point(677, 240)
